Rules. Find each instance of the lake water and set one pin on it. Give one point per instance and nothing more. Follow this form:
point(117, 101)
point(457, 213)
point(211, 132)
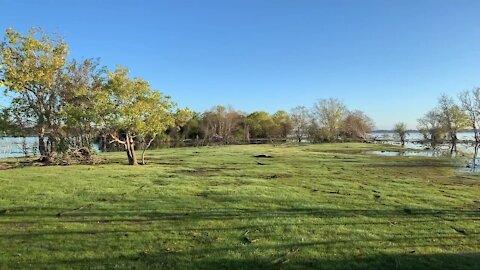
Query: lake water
point(413, 138)
point(408, 153)
point(417, 136)
point(468, 162)
point(18, 147)
point(21, 147)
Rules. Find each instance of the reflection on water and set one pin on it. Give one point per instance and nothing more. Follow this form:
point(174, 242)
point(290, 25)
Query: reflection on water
point(468, 156)
point(435, 153)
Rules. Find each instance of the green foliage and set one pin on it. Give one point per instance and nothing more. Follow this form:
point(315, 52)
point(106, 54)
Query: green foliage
point(30, 69)
point(31, 63)
point(137, 109)
point(260, 124)
point(282, 124)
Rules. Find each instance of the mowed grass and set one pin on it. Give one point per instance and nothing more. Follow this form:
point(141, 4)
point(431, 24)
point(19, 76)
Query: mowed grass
point(308, 207)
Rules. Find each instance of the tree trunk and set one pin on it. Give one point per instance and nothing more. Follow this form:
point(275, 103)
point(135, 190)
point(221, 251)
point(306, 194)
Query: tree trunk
point(475, 155)
point(454, 144)
point(104, 143)
point(42, 147)
point(130, 148)
point(145, 149)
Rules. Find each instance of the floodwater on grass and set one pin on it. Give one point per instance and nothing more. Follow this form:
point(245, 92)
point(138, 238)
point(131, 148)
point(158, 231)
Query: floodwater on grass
point(465, 163)
point(435, 153)
point(473, 166)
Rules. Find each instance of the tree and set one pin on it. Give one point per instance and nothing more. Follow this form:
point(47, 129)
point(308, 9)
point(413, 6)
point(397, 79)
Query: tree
point(82, 89)
point(400, 129)
point(317, 134)
point(192, 129)
point(452, 117)
point(282, 124)
point(300, 121)
point(30, 67)
point(136, 111)
point(471, 105)
point(260, 125)
point(220, 124)
point(357, 125)
point(329, 114)
point(430, 125)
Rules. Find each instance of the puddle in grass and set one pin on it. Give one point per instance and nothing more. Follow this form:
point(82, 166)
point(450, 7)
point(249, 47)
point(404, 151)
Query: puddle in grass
point(466, 165)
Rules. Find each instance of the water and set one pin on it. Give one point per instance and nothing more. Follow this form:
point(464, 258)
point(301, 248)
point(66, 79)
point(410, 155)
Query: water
point(468, 159)
point(417, 136)
point(21, 147)
point(18, 147)
point(435, 153)
point(413, 140)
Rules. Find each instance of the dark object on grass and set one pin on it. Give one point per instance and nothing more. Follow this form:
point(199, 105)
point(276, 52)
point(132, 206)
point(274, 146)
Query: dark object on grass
point(259, 163)
point(460, 231)
point(408, 211)
point(263, 156)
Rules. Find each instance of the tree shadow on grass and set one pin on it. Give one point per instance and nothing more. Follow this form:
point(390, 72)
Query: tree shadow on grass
point(227, 214)
point(255, 255)
point(284, 260)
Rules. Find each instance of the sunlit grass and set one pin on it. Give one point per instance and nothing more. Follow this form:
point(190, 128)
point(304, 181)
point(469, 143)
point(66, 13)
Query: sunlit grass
point(309, 206)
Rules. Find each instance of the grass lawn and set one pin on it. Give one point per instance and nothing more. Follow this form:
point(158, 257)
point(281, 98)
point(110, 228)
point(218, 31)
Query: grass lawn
point(308, 207)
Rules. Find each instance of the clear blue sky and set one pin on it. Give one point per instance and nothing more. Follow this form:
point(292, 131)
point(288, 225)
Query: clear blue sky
point(391, 59)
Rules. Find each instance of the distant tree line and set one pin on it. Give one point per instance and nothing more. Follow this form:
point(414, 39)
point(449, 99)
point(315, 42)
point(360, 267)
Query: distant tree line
point(69, 105)
point(328, 120)
point(447, 118)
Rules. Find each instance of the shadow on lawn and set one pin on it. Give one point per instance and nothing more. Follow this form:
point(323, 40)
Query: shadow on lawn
point(234, 213)
point(86, 213)
point(292, 260)
point(289, 254)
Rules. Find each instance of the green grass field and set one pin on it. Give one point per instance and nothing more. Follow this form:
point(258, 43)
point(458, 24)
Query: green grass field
point(308, 207)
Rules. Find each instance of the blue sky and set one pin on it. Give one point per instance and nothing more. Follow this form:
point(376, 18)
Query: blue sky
point(391, 59)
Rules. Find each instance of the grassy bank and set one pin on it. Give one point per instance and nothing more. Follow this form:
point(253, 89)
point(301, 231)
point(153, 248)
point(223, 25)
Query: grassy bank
point(313, 206)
